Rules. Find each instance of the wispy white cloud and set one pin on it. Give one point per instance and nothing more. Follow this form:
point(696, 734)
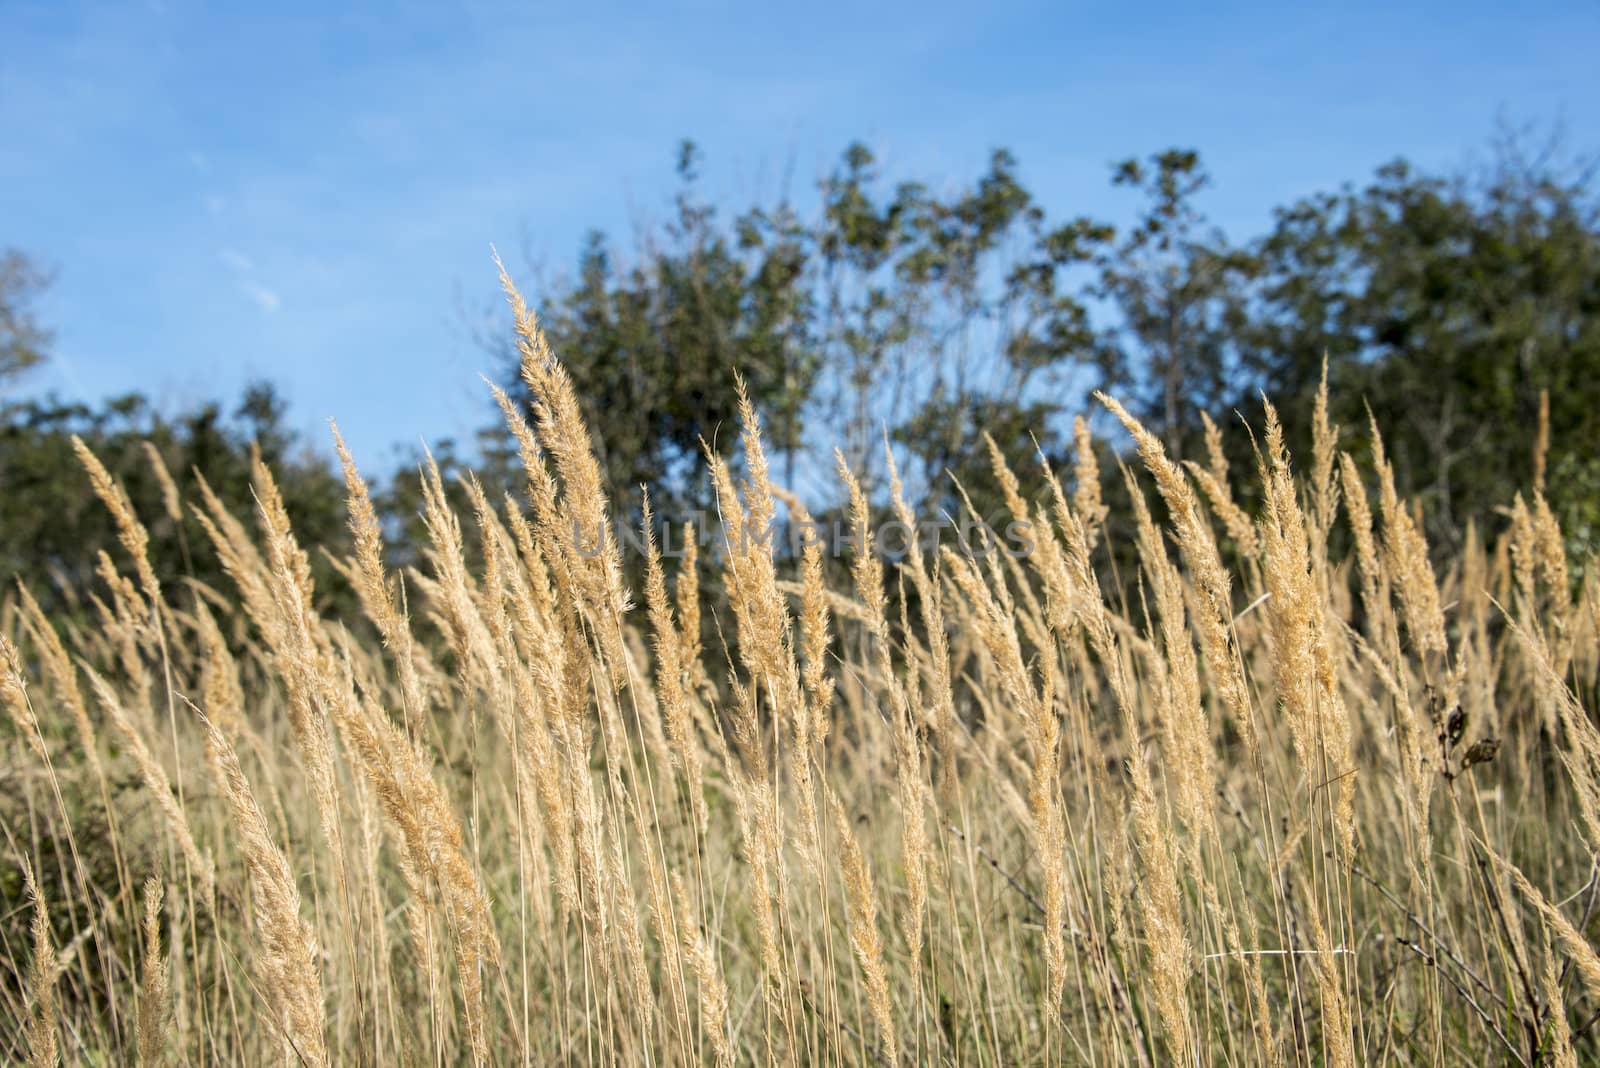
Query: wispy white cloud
point(265, 299)
point(237, 260)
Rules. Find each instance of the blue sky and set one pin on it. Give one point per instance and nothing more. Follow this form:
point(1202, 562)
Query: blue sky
point(234, 191)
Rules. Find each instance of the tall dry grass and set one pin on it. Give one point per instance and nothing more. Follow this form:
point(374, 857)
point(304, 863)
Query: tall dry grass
point(1295, 792)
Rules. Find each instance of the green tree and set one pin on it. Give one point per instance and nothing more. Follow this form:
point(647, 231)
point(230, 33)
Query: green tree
point(958, 315)
point(1177, 288)
point(933, 317)
point(53, 524)
point(23, 342)
point(1447, 304)
point(652, 344)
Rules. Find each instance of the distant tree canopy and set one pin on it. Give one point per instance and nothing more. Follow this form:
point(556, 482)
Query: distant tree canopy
point(1444, 303)
point(653, 344)
point(939, 315)
point(52, 525)
point(23, 342)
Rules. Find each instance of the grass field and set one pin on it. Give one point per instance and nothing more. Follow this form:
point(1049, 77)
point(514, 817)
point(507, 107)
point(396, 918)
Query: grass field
point(1293, 790)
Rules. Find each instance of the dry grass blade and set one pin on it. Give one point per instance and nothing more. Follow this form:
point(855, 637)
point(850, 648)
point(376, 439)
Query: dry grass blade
point(155, 990)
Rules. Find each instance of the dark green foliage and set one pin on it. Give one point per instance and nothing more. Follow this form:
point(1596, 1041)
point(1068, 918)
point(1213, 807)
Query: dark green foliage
point(1447, 305)
point(52, 525)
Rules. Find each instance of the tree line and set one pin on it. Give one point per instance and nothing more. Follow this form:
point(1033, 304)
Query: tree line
point(1444, 305)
